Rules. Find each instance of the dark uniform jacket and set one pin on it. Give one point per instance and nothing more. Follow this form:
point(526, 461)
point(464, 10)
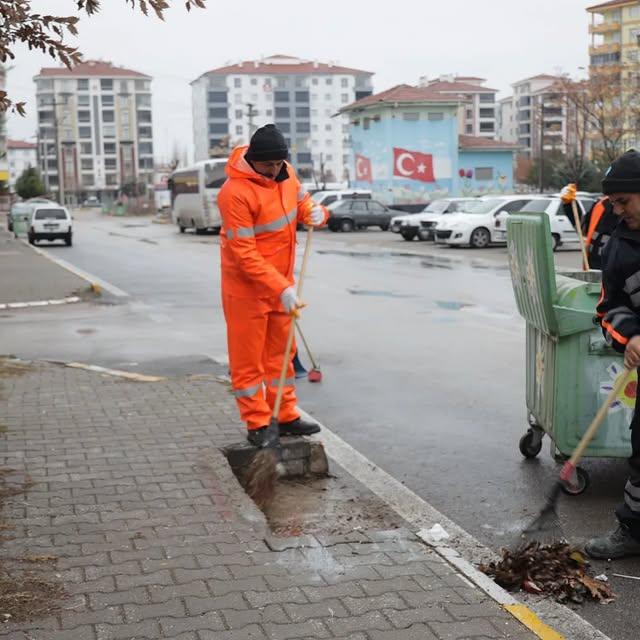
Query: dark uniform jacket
point(598, 225)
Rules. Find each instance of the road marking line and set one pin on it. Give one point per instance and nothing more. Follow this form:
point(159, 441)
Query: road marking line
point(38, 303)
point(421, 515)
point(96, 283)
point(136, 377)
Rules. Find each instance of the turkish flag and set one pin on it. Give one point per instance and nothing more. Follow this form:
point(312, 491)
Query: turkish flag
point(363, 169)
point(413, 165)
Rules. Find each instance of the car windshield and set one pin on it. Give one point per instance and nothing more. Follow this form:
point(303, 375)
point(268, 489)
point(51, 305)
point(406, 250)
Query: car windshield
point(51, 214)
point(438, 206)
point(480, 206)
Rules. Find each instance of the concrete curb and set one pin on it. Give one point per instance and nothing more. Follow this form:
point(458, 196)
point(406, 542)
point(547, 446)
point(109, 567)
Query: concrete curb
point(39, 303)
point(127, 375)
point(97, 285)
point(459, 545)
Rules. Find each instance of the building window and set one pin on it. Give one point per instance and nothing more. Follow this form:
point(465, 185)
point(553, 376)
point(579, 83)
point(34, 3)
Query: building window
point(487, 97)
point(108, 116)
point(45, 85)
point(86, 164)
point(344, 82)
point(145, 148)
point(282, 83)
point(285, 127)
point(86, 148)
point(87, 179)
point(84, 132)
point(238, 129)
point(143, 100)
point(123, 86)
point(345, 98)
point(281, 96)
point(143, 85)
point(221, 112)
point(411, 116)
point(144, 116)
point(483, 173)
point(83, 84)
point(145, 163)
point(328, 142)
point(110, 163)
point(269, 113)
point(328, 127)
point(302, 112)
point(469, 129)
point(435, 116)
point(107, 101)
point(106, 85)
point(237, 98)
point(365, 122)
point(328, 80)
point(218, 127)
point(327, 96)
point(282, 112)
point(254, 81)
point(303, 127)
point(314, 81)
point(217, 96)
point(108, 131)
point(109, 148)
point(487, 126)
point(237, 82)
point(304, 157)
point(83, 100)
point(469, 114)
point(302, 96)
point(111, 179)
point(487, 113)
point(84, 116)
point(145, 132)
point(239, 114)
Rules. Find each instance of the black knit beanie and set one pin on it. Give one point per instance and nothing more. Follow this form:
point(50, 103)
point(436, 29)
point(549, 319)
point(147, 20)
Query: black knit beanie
point(267, 143)
point(623, 176)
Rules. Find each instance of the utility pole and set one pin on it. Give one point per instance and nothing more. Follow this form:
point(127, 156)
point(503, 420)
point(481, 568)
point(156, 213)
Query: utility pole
point(250, 115)
point(541, 159)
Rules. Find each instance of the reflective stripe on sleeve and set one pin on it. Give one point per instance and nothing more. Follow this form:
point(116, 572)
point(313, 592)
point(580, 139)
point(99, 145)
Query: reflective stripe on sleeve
point(275, 225)
point(289, 382)
point(247, 392)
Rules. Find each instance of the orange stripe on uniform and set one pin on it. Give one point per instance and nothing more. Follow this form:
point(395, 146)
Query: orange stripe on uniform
point(617, 336)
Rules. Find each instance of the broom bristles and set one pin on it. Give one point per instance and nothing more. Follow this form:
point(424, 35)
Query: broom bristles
point(546, 527)
point(261, 477)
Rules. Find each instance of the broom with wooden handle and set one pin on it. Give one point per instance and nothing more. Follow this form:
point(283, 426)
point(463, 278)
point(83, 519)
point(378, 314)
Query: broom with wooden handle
point(567, 196)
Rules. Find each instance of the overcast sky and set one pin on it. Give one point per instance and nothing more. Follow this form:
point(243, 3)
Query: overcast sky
point(501, 40)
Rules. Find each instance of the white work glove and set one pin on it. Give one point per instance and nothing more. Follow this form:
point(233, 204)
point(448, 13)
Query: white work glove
point(316, 216)
point(290, 300)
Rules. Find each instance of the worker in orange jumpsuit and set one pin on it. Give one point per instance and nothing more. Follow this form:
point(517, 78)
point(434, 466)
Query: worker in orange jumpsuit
point(261, 204)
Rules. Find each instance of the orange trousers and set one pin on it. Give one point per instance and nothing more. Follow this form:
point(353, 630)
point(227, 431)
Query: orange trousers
point(257, 331)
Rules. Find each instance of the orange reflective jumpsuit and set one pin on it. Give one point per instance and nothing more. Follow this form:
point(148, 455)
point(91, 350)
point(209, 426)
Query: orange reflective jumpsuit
point(257, 250)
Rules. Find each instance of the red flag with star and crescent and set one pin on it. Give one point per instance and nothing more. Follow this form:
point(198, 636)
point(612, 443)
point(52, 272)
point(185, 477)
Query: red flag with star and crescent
point(363, 169)
point(413, 165)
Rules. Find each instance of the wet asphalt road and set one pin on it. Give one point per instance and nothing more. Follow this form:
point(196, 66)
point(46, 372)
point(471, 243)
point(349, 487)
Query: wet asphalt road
point(422, 356)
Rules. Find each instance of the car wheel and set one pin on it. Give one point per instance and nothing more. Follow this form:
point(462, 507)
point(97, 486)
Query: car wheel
point(32, 239)
point(10, 226)
point(384, 227)
point(182, 229)
point(200, 232)
point(333, 227)
point(556, 243)
point(346, 225)
point(68, 239)
point(480, 238)
point(408, 235)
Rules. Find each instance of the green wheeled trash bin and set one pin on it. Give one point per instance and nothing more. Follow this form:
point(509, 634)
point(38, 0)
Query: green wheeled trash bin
point(570, 369)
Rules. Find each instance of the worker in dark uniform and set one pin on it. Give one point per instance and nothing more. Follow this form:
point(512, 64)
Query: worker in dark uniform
point(597, 227)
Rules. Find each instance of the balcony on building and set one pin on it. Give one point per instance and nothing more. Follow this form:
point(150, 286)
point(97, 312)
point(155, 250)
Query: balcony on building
point(607, 26)
point(605, 48)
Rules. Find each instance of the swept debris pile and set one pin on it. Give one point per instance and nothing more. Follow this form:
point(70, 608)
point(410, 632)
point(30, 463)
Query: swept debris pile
point(558, 570)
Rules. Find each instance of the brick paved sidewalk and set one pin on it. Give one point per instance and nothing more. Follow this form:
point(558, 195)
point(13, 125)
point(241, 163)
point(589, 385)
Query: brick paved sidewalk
point(156, 539)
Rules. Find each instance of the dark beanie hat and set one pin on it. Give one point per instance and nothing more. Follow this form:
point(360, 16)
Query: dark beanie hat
point(267, 143)
point(623, 176)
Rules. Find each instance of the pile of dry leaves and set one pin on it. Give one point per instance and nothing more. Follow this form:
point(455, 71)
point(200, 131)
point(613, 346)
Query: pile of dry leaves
point(557, 570)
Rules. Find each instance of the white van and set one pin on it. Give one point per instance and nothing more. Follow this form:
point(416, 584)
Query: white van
point(194, 195)
point(326, 198)
point(50, 222)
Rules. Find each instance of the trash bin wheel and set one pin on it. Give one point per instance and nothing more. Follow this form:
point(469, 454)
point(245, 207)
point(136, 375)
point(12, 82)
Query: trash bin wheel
point(581, 486)
point(530, 446)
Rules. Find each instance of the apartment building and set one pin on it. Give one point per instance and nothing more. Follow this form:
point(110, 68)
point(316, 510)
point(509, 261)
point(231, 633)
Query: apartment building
point(94, 130)
point(301, 97)
point(21, 155)
point(478, 113)
point(615, 35)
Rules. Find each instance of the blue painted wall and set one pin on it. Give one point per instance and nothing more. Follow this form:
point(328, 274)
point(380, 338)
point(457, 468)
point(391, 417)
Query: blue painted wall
point(439, 138)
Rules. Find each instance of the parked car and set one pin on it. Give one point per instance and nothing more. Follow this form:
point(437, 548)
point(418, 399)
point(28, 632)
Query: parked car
point(560, 215)
point(350, 214)
point(329, 197)
point(422, 225)
point(24, 209)
point(50, 222)
point(91, 201)
point(475, 225)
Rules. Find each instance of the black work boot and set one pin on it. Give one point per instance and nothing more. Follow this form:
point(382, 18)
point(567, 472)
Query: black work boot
point(264, 438)
point(617, 544)
point(298, 427)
